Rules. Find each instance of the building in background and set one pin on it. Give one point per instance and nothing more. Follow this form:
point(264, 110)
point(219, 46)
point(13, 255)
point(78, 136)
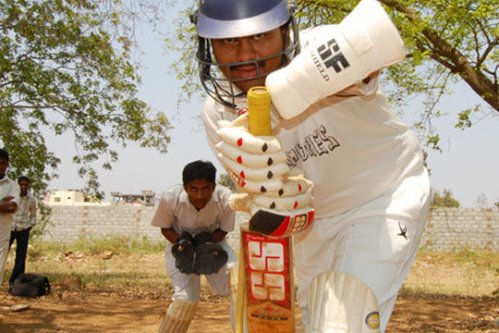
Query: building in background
point(72, 198)
point(80, 198)
point(66, 197)
point(146, 198)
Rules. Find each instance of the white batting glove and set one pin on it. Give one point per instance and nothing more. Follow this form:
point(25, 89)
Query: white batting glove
point(267, 186)
point(337, 57)
point(255, 163)
point(295, 193)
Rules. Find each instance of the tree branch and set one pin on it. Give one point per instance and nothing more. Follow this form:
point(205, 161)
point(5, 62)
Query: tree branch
point(441, 50)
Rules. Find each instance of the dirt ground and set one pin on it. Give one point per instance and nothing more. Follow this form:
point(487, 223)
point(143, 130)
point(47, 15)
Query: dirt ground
point(128, 293)
point(71, 312)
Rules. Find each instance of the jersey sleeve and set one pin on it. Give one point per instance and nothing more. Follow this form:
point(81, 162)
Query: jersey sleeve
point(210, 118)
point(15, 191)
point(164, 215)
point(366, 87)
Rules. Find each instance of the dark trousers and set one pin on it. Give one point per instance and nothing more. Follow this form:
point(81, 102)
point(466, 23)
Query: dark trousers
point(22, 238)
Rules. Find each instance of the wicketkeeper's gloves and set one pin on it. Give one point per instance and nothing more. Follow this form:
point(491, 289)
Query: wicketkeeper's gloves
point(210, 256)
point(183, 251)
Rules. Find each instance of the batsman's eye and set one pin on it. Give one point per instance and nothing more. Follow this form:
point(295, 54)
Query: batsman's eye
point(230, 40)
point(259, 36)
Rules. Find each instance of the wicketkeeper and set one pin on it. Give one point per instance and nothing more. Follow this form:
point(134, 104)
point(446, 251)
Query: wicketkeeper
point(195, 218)
point(332, 122)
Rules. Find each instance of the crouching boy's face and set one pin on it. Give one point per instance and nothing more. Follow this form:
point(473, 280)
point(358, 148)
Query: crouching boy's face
point(199, 192)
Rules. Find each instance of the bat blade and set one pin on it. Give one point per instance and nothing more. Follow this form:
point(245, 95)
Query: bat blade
point(269, 283)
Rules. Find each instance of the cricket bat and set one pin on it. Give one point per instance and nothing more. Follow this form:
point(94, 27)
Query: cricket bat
point(265, 299)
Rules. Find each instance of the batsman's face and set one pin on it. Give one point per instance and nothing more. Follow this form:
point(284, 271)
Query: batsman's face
point(199, 192)
point(246, 61)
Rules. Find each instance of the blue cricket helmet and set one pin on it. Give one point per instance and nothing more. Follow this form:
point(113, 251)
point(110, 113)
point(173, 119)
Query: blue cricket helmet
point(220, 19)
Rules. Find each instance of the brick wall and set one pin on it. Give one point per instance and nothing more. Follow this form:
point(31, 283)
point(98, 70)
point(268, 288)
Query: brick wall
point(448, 229)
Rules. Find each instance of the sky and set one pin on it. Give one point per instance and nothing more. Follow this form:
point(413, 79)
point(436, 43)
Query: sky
point(468, 165)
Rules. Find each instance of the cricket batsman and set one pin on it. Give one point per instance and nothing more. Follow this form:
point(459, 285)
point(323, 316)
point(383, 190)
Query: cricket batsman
point(331, 122)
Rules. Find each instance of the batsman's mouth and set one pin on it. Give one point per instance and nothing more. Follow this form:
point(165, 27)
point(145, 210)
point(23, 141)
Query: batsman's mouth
point(248, 71)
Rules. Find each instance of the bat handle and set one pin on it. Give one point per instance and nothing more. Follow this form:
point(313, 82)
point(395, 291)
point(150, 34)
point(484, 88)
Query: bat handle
point(259, 111)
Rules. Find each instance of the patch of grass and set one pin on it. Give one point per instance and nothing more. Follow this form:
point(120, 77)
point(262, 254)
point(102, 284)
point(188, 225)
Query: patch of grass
point(482, 258)
point(91, 246)
point(125, 265)
point(466, 272)
point(114, 264)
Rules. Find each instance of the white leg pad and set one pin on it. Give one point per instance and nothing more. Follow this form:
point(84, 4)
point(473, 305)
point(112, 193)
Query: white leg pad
point(341, 303)
point(178, 317)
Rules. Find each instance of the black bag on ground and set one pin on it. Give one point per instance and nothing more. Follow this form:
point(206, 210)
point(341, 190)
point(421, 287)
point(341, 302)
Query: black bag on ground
point(30, 285)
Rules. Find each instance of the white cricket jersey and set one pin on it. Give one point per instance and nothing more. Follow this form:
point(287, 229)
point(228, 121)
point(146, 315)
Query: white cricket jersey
point(8, 187)
point(177, 212)
point(352, 148)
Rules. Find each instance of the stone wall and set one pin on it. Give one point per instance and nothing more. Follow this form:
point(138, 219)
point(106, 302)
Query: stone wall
point(448, 229)
point(451, 229)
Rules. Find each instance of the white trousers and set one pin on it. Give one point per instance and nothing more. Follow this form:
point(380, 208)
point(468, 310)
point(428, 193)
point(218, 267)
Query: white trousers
point(187, 286)
point(4, 247)
point(376, 243)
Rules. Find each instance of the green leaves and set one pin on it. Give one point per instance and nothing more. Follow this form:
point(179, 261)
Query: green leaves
point(65, 67)
point(443, 200)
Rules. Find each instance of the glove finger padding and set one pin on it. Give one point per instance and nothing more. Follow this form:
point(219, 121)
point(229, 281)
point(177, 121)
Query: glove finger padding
point(248, 159)
point(183, 251)
point(255, 163)
point(239, 136)
point(201, 238)
point(210, 258)
point(282, 213)
point(295, 193)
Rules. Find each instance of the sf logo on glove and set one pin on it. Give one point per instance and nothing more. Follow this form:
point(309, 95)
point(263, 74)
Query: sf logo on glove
point(331, 56)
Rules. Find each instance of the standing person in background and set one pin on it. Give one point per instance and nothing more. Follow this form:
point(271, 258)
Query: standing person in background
point(195, 218)
point(371, 188)
point(24, 221)
point(9, 198)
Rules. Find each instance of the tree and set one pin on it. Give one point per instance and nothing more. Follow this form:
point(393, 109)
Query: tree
point(446, 41)
point(458, 41)
point(225, 180)
point(445, 200)
point(66, 67)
